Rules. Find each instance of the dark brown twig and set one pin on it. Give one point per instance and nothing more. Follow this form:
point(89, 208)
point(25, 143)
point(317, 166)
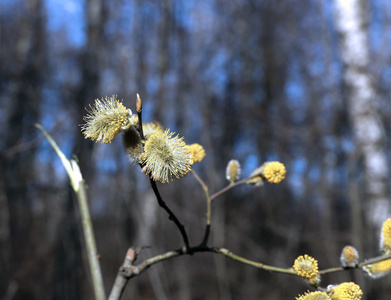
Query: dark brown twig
point(171, 215)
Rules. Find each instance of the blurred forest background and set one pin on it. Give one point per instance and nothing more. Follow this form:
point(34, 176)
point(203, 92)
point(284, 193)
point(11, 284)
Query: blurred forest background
point(252, 80)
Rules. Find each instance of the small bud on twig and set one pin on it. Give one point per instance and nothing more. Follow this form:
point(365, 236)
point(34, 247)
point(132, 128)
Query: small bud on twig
point(139, 104)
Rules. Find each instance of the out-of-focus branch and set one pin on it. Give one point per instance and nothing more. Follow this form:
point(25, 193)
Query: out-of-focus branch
point(78, 186)
point(89, 237)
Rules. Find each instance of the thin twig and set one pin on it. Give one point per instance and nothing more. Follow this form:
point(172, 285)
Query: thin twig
point(359, 266)
point(374, 260)
point(171, 215)
point(209, 200)
point(230, 186)
point(208, 208)
point(133, 271)
point(129, 271)
point(205, 239)
point(201, 182)
point(255, 264)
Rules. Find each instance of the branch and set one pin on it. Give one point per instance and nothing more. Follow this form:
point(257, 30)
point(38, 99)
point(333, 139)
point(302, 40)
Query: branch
point(171, 215)
point(209, 200)
point(128, 270)
point(78, 185)
point(208, 208)
point(123, 275)
point(359, 266)
point(232, 185)
point(92, 251)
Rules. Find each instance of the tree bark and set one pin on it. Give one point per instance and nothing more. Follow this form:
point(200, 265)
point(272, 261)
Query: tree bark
point(361, 98)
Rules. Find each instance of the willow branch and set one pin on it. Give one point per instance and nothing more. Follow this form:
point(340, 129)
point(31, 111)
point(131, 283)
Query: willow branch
point(374, 260)
point(123, 275)
point(89, 237)
point(128, 270)
point(255, 264)
point(208, 208)
point(171, 215)
point(209, 200)
point(359, 266)
point(231, 186)
point(78, 185)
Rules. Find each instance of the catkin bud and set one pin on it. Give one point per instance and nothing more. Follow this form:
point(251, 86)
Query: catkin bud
point(256, 177)
point(139, 104)
point(349, 257)
point(232, 173)
point(274, 172)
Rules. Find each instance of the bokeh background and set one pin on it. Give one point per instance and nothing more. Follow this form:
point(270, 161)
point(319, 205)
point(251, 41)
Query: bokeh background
point(252, 80)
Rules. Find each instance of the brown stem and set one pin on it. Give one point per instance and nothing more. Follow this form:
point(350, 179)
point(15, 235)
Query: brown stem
point(123, 275)
point(208, 209)
point(359, 266)
point(230, 186)
point(128, 270)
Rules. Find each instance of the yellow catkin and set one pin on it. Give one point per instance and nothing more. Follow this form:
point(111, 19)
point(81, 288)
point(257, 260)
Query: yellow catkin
point(197, 151)
point(274, 172)
point(385, 239)
point(151, 128)
point(307, 267)
point(166, 157)
point(345, 291)
point(313, 296)
point(106, 119)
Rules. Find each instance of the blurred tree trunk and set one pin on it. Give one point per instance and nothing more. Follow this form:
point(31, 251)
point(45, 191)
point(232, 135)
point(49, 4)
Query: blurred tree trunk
point(90, 65)
point(163, 59)
point(20, 250)
point(360, 92)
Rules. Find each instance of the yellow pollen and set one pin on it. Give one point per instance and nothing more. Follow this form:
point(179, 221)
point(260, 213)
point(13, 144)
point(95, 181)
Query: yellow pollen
point(274, 172)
